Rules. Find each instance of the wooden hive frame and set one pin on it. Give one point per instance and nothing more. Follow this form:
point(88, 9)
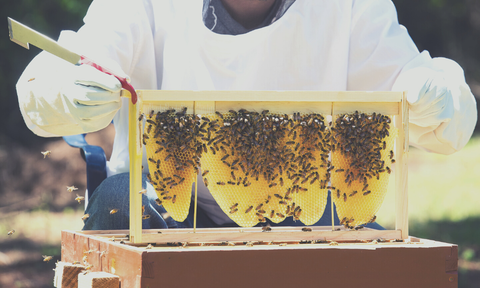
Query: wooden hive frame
point(326, 103)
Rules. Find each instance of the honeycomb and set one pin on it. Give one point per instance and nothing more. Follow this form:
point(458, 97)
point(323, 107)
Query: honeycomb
point(171, 143)
point(271, 165)
point(361, 165)
point(264, 165)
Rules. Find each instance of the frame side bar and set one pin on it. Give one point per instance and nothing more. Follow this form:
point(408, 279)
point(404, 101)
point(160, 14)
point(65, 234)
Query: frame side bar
point(135, 152)
point(401, 170)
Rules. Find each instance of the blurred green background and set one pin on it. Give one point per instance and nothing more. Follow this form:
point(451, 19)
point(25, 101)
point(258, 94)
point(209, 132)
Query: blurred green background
point(443, 190)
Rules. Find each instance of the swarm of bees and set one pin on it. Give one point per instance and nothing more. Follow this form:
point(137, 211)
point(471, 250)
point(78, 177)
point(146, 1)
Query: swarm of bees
point(174, 150)
point(270, 165)
point(260, 165)
point(362, 157)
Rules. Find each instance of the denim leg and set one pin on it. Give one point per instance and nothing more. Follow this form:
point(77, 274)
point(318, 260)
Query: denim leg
point(113, 193)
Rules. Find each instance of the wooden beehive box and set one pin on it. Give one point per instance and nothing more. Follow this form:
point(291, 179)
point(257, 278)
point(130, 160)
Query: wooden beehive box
point(286, 256)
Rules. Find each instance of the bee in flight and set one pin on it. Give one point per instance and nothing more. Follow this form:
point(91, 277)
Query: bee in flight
point(79, 199)
point(47, 258)
point(71, 188)
point(46, 154)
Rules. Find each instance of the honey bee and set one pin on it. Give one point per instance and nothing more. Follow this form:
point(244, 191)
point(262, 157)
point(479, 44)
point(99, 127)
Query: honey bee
point(344, 197)
point(46, 154)
point(79, 199)
point(234, 210)
point(306, 229)
point(71, 188)
point(149, 246)
point(272, 213)
point(174, 199)
point(158, 201)
point(145, 217)
point(388, 170)
point(266, 228)
point(280, 215)
point(373, 219)
point(143, 191)
point(248, 209)
point(366, 193)
point(205, 173)
point(353, 193)
point(10, 232)
point(113, 211)
point(47, 258)
point(393, 161)
point(391, 154)
point(205, 180)
point(221, 183)
point(85, 217)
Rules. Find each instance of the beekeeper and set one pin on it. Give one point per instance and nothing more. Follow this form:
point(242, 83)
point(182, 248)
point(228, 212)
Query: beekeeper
point(235, 45)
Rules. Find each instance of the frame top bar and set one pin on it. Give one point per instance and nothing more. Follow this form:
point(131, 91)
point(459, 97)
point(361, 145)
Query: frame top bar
point(291, 96)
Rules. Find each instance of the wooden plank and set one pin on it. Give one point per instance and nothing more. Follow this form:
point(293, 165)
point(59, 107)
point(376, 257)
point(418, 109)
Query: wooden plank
point(401, 170)
point(66, 274)
point(98, 280)
point(275, 235)
point(253, 234)
point(204, 107)
point(246, 96)
point(389, 108)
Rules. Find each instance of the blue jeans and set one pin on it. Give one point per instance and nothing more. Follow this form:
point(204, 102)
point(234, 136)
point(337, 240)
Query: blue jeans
point(113, 193)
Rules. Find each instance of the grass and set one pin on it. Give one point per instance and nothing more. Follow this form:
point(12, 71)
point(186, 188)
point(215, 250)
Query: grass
point(441, 187)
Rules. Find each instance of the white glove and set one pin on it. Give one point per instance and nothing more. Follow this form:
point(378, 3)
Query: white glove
point(58, 98)
point(442, 108)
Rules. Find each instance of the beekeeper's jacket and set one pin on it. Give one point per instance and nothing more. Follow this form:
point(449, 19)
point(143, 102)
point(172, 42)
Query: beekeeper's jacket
point(329, 45)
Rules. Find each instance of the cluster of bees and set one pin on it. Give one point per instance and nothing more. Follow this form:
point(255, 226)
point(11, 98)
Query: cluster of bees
point(362, 154)
point(176, 137)
point(256, 145)
point(359, 137)
point(288, 152)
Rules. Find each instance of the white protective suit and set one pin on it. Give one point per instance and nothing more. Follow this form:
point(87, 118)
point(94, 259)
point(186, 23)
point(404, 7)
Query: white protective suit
point(316, 45)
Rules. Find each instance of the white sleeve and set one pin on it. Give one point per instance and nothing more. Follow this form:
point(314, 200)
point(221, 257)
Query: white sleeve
point(443, 111)
point(116, 34)
point(383, 57)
